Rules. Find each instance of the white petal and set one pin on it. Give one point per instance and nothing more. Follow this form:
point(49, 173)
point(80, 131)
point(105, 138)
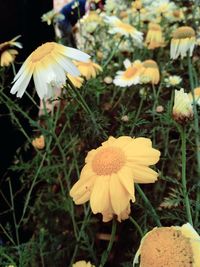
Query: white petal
point(76, 54)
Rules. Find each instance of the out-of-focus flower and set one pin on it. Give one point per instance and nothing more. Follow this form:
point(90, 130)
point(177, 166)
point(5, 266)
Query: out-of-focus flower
point(182, 109)
point(125, 29)
point(52, 17)
point(131, 75)
point(175, 15)
point(196, 93)
point(125, 118)
point(48, 64)
point(159, 109)
point(88, 69)
point(108, 177)
point(7, 53)
point(76, 81)
point(39, 142)
point(151, 72)
point(82, 264)
point(137, 4)
point(174, 246)
point(161, 7)
point(108, 80)
point(154, 38)
point(173, 80)
point(183, 41)
point(91, 21)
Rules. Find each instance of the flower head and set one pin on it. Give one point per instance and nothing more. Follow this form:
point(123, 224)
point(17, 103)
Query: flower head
point(7, 53)
point(131, 75)
point(182, 109)
point(151, 72)
point(183, 41)
point(125, 29)
point(173, 80)
point(173, 246)
point(154, 38)
point(48, 64)
point(196, 92)
point(39, 142)
point(91, 21)
point(76, 81)
point(88, 69)
point(82, 264)
point(52, 17)
point(108, 177)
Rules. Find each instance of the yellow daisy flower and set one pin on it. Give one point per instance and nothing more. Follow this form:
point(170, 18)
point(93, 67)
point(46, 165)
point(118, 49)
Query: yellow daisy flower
point(91, 21)
point(196, 95)
point(7, 54)
point(125, 29)
point(76, 81)
point(82, 264)
point(183, 41)
point(154, 38)
point(39, 142)
point(182, 109)
point(88, 69)
point(108, 177)
point(48, 64)
point(173, 246)
point(131, 75)
point(151, 72)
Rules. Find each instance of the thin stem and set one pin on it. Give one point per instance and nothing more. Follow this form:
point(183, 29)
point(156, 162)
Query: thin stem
point(106, 253)
point(197, 140)
point(136, 226)
point(148, 203)
point(184, 180)
point(137, 115)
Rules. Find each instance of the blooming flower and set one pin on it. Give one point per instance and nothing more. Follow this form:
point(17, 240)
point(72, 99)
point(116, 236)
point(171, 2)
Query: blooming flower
point(52, 17)
point(154, 38)
point(39, 142)
point(91, 21)
point(7, 53)
point(88, 69)
point(131, 75)
point(183, 41)
point(151, 72)
point(82, 264)
point(125, 29)
point(48, 64)
point(173, 80)
point(182, 109)
point(173, 246)
point(196, 92)
point(108, 177)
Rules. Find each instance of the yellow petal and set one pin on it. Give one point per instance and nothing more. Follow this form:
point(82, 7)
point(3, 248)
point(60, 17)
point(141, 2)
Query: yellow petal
point(143, 174)
point(100, 199)
point(126, 179)
point(118, 195)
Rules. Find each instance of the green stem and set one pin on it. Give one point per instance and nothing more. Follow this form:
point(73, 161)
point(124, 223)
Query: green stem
point(137, 226)
point(197, 133)
point(184, 180)
point(148, 203)
point(113, 53)
point(137, 115)
point(106, 253)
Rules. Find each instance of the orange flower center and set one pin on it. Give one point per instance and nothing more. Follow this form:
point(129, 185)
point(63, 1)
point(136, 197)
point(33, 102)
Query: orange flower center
point(108, 160)
point(130, 72)
point(183, 32)
point(166, 247)
point(42, 51)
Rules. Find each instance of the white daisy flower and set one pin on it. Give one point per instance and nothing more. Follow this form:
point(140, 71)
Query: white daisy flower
point(125, 29)
point(131, 75)
point(48, 65)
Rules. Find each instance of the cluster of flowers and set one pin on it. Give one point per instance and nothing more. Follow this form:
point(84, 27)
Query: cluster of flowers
point(110, 171)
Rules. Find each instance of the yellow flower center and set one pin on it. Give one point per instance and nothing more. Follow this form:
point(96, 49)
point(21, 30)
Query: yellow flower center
point(166, 247)
point(42, 51)
point(130, 72)
point(108, 160)
point(150, 64)
point(183, 32)
point(124, 26)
